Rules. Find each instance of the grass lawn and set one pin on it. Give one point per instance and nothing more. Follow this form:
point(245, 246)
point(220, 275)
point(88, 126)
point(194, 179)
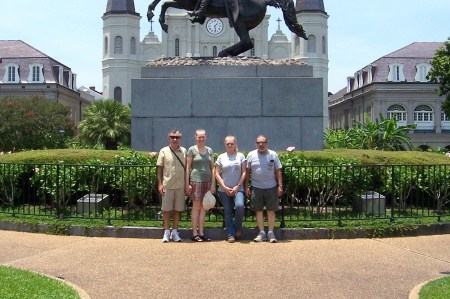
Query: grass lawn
point(436, 289)
point(19, 284)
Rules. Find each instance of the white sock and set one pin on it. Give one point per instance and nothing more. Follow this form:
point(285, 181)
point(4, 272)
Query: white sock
point(262, 232)
point(167, 231)
point(174, 231)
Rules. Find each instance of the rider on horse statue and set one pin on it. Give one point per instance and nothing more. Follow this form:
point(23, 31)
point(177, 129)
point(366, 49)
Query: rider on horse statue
point(199, 15)
point(243, 18)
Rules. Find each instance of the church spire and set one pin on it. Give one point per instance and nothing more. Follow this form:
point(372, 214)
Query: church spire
point(310, 6)
point(120, 7)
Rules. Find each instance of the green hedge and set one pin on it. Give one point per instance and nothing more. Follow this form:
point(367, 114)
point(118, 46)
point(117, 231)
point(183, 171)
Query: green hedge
point(364, 157)
point(328, 178)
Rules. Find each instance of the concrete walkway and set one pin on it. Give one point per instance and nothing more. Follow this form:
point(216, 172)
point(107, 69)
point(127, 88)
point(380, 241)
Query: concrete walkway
point(146, 268)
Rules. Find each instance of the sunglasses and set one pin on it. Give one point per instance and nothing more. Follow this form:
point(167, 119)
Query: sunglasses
point(175, 137)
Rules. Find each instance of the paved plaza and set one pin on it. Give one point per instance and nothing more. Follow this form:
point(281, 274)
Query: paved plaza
point(146, 268)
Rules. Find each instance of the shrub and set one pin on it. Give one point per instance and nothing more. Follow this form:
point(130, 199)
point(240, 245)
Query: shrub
point(383, 134)
point(33, 123)
point(318, 180)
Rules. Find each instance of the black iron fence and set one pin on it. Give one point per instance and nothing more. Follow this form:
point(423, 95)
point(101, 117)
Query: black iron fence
point(312, 193)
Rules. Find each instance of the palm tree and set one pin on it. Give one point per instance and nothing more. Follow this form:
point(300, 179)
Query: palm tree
point(393, 137)
point(380, 135)
point(342, 138)
point(385, 134)
point(106, 123)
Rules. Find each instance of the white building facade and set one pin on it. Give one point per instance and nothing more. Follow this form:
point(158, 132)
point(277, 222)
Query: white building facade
point(396, 86)
point(26, 72)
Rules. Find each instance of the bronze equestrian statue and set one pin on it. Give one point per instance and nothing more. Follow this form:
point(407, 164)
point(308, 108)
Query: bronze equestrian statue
point(244, 16)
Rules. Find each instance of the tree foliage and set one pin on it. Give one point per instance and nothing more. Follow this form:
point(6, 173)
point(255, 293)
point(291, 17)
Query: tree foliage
point(106, 123)
point(379, 135)
point(32, 123)
point(440, 73)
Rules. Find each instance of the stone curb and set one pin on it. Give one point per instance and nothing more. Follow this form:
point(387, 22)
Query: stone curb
point(81, 293)
point(220, 233)
point(414, 294)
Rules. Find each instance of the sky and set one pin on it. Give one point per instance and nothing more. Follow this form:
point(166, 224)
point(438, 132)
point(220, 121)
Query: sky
point(359, 32)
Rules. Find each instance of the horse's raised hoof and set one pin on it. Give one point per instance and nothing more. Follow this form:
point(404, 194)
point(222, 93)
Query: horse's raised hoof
point(164, 27)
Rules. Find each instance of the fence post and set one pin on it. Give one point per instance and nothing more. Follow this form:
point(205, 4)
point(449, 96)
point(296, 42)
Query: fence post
point(439, 203)
point(392, 220)
point(282, 223)
point(57, 192)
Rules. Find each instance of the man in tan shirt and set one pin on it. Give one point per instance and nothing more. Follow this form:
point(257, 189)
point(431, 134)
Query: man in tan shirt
point(170, 163)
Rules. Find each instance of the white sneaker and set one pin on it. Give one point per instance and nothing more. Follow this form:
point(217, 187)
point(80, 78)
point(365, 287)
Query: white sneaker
point(166, 237)
point(260, 237)
point(175, 237)
point(272, 238)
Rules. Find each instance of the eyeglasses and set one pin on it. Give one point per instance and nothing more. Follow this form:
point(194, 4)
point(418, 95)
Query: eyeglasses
point(175, 137)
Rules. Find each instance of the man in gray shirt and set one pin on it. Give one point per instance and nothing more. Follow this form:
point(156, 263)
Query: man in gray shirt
point(264, 168)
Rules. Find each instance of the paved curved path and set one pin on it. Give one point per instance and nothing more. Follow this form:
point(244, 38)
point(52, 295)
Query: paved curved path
point(146, 268)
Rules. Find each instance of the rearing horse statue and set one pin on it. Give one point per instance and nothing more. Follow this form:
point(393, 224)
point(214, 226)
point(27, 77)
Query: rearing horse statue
point(250, 14)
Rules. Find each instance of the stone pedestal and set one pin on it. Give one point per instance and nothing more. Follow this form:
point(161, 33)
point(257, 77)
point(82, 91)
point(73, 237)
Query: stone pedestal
point(92, 203)
point(370, 203)
point(282, 102)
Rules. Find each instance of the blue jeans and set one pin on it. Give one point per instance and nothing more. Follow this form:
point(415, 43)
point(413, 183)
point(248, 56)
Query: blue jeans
point(228, 211)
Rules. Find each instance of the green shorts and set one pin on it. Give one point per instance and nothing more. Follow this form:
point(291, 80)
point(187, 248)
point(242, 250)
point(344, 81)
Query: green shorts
point(265, 198)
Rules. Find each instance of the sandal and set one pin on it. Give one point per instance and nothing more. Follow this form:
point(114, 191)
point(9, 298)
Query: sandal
point(197, 238)
point(205, 238)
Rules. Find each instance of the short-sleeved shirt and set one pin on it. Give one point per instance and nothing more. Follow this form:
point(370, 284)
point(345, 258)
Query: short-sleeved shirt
point(200, 170)
point(263, 168)
point(231, 169)
point(173, 171)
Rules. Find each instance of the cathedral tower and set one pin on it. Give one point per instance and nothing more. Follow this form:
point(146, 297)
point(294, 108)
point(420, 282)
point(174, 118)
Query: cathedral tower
point(121, 38)
point(314, 51)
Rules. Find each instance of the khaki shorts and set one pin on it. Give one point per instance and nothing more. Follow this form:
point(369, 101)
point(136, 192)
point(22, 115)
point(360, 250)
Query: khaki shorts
point(265, 198)
point(173, 200)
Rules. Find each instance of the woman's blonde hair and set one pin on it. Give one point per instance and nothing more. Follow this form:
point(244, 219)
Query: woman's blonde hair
point(235, 142)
